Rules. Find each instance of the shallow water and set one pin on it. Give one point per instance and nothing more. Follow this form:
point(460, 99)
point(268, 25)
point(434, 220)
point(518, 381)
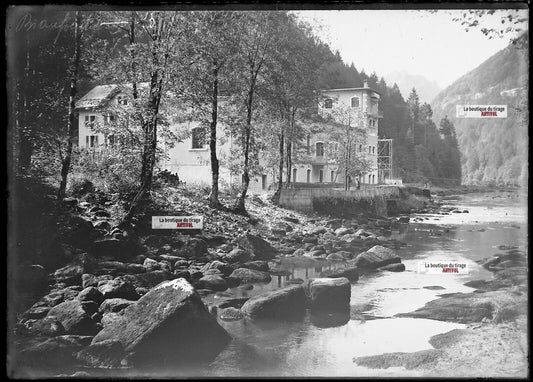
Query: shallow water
point(326, 345)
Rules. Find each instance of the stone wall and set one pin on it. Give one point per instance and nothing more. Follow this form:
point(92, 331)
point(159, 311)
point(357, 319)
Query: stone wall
point(303, 199)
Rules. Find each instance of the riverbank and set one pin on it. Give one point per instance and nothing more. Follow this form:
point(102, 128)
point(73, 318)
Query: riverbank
point(108, 271)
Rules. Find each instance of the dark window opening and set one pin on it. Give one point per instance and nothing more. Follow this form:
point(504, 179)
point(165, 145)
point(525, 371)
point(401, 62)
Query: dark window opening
point(198, 138)
point(319, 149)
point(328, 103)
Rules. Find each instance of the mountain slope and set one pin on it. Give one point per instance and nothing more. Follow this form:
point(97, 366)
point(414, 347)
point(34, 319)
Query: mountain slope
point(493, 151)
point(425, 88)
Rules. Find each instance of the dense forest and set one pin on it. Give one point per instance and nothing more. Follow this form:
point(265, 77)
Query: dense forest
point(269, 65)
point(493, 151)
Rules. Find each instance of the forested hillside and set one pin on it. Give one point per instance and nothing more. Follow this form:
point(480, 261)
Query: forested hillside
point(493, 151)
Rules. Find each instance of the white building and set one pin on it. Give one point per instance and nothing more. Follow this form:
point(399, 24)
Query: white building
point(190, 158)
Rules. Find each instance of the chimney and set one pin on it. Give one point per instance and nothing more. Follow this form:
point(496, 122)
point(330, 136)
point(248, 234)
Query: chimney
point(365, 84)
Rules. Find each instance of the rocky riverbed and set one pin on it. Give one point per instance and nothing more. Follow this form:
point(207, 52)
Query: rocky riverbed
point(124, 301)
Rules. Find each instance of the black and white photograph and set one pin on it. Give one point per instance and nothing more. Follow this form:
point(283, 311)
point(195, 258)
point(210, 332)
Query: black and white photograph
point(283, 190)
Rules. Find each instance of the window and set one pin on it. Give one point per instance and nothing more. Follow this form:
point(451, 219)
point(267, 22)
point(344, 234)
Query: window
point(373, 149)
point(319, 149)
point(373, 179)
point(109, 119)
point(91, 140)
point(111, 140)
point(355, 101)
point(308, 176)
point(332, 176)
point(198, 138)
point(328, 103)
point(321, 176)
point(294, 172)
point(369, 149)
point(89, 121)
point(360, 148)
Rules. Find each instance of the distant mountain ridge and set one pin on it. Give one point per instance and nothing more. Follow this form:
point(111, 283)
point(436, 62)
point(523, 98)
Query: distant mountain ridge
point(493, 151)
point(426, 89)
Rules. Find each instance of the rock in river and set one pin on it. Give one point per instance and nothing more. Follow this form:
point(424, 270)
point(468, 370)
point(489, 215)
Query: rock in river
point(375, 257)
point(470, 307)
point(260, 248)
point(169, 325)
point(281, 303)
point(397, 267)
point(246, 275)
point(328, 292)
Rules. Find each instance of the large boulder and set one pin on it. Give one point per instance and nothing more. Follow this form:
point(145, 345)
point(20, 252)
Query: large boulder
point(245, 275)
point(167, 326)
point(147, 279)
point(118, 288)
point(212, 282)
point(282, 303)
point(220, 266)
point(91, 294)
point(73, 317)
point(260, 248)
point(238, 255)
point(258, 265)
point(376, 257)
point(328, 292)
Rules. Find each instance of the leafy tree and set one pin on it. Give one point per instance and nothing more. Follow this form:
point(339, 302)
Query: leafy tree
point(257, 31)
point(215, 40)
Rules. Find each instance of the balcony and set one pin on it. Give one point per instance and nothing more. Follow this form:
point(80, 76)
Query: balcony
point(318, 161)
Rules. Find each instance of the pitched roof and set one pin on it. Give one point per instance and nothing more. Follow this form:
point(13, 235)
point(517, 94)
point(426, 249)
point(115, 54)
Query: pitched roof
point(101, 94)
point(97, 97)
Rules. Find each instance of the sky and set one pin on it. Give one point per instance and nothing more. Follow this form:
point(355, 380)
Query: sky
point(417, 42)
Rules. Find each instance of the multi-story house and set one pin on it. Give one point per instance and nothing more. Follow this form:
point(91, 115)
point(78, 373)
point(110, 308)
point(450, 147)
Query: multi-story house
point(190, 157)
point(356, 108)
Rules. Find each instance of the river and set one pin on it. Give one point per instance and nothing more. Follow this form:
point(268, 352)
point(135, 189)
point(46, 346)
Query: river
point(325, 345)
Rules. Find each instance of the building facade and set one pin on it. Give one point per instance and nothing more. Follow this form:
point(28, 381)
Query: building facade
point(190, 157)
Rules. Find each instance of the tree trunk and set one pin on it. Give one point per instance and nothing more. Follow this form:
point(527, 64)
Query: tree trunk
point(277, 194)
point(65, 165)
point(150, 145)
point(240, 207)
point(213, 196)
